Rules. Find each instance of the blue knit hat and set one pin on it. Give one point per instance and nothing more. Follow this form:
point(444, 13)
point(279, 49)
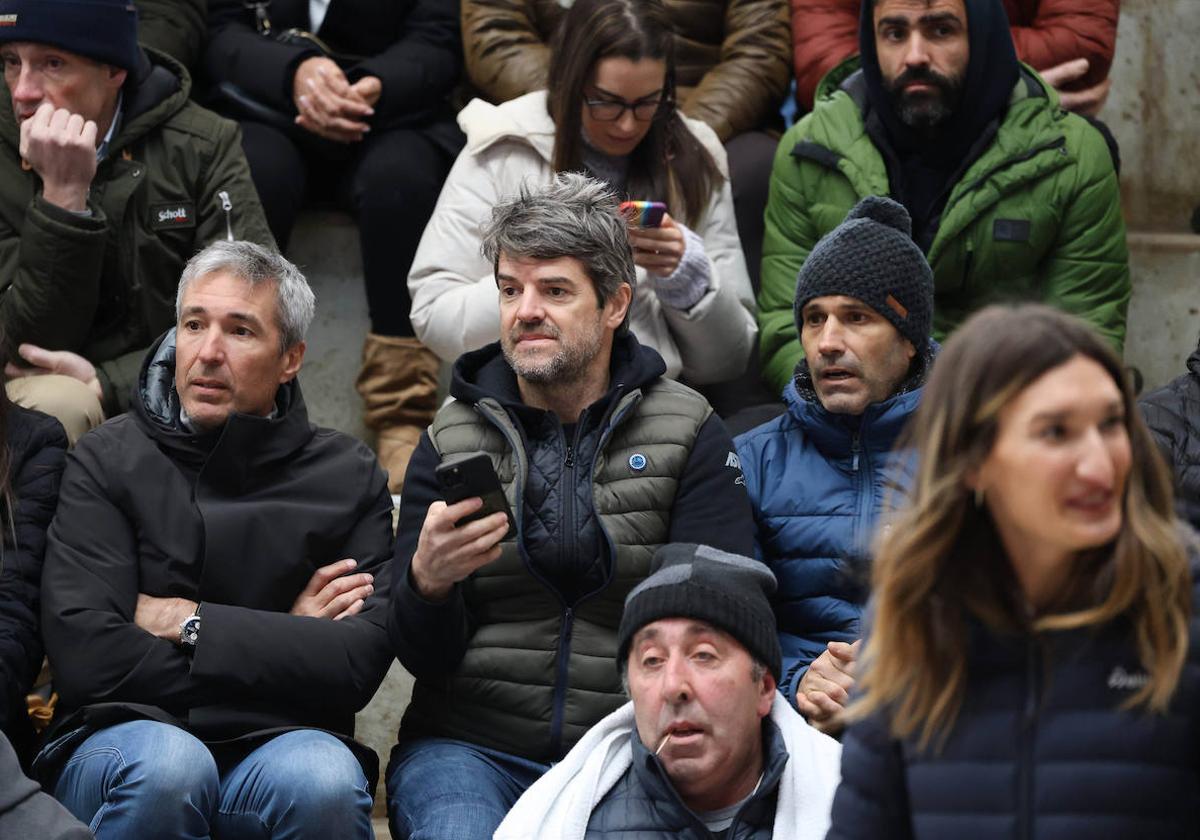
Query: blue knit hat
point(102, 30)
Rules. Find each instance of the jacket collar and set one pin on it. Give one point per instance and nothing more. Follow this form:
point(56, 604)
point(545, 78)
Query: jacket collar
point(652, 776)
point(484, 373)
point(234, 451)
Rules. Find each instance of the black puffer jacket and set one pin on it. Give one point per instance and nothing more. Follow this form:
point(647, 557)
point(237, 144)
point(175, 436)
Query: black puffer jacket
point(37, 447)
point(1039, 750)
point(237, 519)
point(643, 805)
point(1173, 415)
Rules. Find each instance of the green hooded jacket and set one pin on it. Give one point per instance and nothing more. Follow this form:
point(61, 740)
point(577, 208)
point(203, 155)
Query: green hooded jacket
point(174, 179)
point(1036, 216)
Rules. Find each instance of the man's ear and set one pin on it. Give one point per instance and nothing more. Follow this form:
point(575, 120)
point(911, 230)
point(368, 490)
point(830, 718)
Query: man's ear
point(617, 306)
point(116, 76)
point(766, 696)
point(293, 359)
point(910, 351)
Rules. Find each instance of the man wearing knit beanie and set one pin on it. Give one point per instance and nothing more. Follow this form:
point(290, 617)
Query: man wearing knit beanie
point(707, 747)
point(819, 475)
point(110, 180)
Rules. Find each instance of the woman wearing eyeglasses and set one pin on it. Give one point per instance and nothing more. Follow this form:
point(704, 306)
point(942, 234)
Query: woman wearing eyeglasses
point(1031, 668)
point(609, 112)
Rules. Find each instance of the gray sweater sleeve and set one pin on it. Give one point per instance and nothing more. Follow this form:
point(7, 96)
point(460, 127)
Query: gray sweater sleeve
point(687, 284)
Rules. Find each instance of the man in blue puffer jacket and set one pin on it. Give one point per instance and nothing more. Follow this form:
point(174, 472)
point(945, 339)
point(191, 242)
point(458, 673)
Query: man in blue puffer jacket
point(819, 475)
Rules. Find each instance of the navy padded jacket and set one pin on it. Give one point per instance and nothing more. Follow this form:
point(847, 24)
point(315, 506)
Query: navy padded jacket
point(818, 483)
point(1040, 750)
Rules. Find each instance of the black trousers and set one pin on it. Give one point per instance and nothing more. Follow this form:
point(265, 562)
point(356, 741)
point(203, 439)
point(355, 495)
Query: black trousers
point(389, 182)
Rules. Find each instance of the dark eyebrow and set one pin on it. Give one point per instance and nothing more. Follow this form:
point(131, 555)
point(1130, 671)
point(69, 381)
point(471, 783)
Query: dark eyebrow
point(612, 95)
point(938, 17)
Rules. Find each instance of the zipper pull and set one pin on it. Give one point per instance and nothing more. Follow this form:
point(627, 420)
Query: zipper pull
point(855, 449)
point(570, 462)
point(227, 206)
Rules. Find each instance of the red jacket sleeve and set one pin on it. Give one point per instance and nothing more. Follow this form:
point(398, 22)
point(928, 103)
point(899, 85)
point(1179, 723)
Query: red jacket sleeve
point(1049, 32)
point(824, 34)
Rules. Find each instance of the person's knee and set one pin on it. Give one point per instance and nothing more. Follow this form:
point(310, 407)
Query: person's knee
point(444, 789)
point(317, 775)
point(404, 174)
point(152, 761)
point(64, 398)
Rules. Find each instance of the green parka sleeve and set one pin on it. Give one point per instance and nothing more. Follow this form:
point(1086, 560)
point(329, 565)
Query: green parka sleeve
point(789, 237)
point(1087, 274)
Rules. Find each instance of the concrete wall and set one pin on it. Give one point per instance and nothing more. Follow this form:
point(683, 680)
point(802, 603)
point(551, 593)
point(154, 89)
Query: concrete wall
point(1154, 111)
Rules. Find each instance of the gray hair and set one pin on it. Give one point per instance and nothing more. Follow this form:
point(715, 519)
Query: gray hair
point(295, 302)
point(572, 216)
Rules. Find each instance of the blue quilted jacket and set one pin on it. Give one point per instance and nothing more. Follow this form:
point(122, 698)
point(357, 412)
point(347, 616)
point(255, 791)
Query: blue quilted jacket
point(818, 482)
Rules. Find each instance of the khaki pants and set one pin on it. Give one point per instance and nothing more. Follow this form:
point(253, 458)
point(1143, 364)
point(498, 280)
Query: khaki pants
point(65, 398)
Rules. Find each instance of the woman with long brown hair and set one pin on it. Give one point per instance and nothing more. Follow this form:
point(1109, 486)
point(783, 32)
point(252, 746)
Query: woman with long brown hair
point(1028, 671)
point(610, 112)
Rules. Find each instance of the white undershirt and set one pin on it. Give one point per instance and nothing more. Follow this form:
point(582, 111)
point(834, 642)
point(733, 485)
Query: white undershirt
point(316, 14)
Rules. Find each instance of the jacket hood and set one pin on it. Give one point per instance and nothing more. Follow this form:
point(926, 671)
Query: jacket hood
point(878, 427)
point(525, 119)
point(485, 373)
point(992, 70)
point(249, 441)
point(158, 88)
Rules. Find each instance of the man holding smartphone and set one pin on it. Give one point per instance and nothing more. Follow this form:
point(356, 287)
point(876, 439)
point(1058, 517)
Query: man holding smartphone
point(512, 639)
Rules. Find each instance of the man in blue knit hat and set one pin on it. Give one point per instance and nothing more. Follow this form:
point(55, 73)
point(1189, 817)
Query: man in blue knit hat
point(110, 180)
point(819, 475)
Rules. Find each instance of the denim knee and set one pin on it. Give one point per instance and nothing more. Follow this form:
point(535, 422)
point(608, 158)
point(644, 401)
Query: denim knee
point(305, 782)
point(139, 774)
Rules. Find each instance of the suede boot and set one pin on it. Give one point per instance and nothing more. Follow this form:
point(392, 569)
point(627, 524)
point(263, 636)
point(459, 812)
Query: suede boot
point(398, 383)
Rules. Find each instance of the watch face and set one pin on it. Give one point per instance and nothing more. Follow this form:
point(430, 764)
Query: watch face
point(191, 630)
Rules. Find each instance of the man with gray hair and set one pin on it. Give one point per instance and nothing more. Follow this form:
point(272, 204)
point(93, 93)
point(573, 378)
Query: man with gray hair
point(512, 637)
point(214, 593)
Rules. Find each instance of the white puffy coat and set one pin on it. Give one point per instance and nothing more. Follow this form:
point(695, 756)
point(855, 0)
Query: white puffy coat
point(455, 303)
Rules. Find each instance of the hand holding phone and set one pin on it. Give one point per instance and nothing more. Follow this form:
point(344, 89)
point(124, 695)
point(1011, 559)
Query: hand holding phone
point(657, 248)
point(464, 532)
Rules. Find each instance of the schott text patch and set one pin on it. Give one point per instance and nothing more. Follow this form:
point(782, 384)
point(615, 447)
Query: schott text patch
point(179, 214)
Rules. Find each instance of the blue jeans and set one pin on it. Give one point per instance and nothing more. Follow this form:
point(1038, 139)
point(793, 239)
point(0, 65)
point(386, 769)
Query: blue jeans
point(149, 780)
point(439, 789)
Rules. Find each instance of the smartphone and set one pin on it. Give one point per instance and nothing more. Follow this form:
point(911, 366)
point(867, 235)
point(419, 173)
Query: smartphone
point(646, 214)
point(471, 474)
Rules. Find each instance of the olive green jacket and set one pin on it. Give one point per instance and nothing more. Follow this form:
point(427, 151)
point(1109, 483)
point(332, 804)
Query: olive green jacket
point(174, 179)
point(537, 674)
point(1037, 216)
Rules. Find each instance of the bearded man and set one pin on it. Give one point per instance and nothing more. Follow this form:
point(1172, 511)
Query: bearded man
point(1011, 197)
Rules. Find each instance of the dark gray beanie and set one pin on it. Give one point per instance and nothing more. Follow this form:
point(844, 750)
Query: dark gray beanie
point(102, 30)
point(728, 591)
point(871, 256)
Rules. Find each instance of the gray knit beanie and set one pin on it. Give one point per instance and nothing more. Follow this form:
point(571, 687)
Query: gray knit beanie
point(728, 591)
point(871, 256)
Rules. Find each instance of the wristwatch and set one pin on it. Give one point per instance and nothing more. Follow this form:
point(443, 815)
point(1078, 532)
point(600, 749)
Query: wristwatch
point(189, 630)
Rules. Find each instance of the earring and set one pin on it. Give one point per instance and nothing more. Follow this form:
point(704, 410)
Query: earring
point(978, 498)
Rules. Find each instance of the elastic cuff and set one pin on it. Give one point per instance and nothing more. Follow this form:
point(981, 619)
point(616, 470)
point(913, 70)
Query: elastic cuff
point(690, 281)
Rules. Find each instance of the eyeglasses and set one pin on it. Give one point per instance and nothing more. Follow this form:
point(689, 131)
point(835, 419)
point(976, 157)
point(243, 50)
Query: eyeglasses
point(611, 110)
